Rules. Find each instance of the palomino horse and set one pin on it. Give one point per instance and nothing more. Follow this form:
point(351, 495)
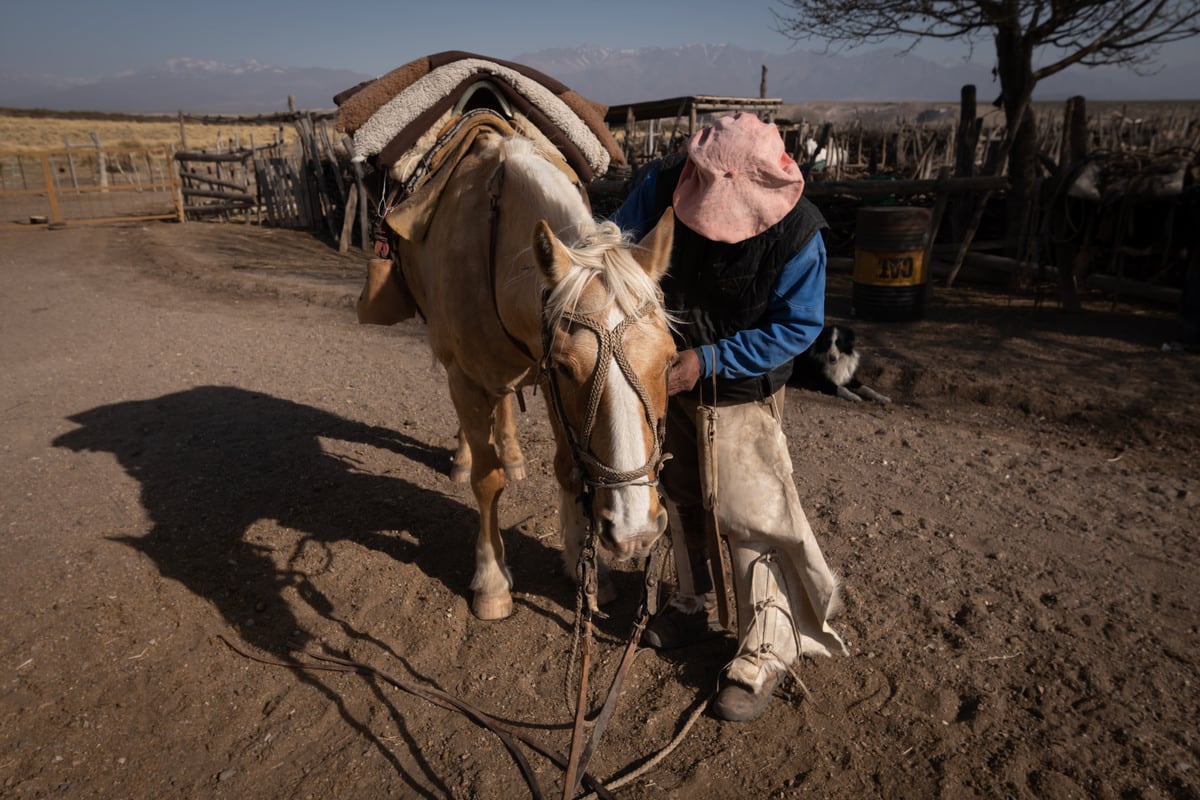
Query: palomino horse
point(518, 283)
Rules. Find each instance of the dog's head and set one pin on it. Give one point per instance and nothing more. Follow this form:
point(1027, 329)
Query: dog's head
point(834, 350)
point(833, 342)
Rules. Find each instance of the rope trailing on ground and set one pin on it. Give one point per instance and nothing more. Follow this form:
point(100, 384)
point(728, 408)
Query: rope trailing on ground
point(506, 733)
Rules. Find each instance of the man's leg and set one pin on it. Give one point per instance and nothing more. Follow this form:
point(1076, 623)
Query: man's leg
point(690, 614)
point(784, 588)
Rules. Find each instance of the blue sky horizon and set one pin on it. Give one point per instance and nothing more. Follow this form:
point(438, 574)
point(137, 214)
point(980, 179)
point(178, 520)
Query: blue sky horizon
point(129, 35)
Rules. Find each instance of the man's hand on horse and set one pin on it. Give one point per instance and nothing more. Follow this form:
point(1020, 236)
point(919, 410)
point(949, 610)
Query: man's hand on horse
point(684, 372)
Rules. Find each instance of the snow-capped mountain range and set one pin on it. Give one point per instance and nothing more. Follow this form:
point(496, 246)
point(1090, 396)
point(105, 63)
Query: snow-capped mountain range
point(606, 75)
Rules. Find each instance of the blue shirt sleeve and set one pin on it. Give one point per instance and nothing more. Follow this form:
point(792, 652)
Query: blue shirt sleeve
point(794, 318)
point(634, 214)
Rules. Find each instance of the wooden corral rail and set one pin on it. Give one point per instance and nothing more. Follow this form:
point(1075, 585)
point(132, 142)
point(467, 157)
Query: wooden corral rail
point(260, 182)
point(256, 119)
point(219, 177)
point(858, 188)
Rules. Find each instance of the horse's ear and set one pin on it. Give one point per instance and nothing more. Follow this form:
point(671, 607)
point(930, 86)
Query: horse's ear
point(552, 257)
point(654, 251)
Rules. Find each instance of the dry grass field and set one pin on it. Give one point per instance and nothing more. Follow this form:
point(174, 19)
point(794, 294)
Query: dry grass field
point(23, 131)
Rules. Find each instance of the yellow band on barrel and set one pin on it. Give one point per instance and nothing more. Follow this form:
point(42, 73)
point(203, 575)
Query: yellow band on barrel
point(890, 268)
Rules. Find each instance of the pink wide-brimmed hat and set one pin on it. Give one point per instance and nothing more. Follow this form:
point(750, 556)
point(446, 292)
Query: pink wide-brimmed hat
point(738, 180)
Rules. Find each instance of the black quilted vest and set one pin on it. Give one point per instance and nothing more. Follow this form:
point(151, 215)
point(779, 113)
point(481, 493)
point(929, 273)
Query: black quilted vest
point(716, 289)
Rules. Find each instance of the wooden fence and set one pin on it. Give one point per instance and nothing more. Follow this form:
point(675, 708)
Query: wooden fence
point(955, 166)
point(86, 186)
point(305, 179)
point(1116, 205)
point(307, 183)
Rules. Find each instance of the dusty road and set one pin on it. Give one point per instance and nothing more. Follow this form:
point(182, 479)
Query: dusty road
point(199, 445)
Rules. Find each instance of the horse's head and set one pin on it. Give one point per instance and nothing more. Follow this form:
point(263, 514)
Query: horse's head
point(607, 348)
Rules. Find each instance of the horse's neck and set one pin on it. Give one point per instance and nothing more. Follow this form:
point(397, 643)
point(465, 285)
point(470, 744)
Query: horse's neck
point(534, 193)
point(537, 189)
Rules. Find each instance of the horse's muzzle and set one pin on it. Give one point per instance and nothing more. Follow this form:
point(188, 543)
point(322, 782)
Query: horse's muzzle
point(626, 544)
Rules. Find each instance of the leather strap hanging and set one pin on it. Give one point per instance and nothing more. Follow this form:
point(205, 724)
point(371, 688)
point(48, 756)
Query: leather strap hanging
point(707, 451)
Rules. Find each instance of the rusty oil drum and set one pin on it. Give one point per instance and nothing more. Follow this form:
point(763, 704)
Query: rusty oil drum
point(891, 278)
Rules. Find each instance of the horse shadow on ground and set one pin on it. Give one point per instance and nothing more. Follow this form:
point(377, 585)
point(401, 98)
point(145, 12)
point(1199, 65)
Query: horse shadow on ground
point(212, 461)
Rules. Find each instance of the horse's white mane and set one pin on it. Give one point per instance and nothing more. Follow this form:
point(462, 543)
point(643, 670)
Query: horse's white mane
point(598, 248)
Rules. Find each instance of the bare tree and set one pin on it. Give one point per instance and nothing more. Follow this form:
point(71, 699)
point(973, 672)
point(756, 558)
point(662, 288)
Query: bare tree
point(1057, 33)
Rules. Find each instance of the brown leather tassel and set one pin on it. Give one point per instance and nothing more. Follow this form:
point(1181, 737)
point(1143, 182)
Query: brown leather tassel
point(385, 299)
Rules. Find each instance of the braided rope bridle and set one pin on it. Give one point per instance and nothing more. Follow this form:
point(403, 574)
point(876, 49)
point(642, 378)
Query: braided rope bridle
point(592, 472)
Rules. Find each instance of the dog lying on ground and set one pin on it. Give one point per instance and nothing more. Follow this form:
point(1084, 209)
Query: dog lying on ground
point(829, 365)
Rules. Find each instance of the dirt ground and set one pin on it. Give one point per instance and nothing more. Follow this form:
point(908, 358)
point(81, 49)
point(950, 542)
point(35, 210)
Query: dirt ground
point(200, 446)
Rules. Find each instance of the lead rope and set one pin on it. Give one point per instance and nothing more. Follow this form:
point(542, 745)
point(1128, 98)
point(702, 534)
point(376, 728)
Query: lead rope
point(609, 345)
point(585, 597)
point(581, 756)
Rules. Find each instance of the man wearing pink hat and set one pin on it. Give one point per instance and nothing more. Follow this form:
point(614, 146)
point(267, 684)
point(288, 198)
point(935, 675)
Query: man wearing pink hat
point(747, 289)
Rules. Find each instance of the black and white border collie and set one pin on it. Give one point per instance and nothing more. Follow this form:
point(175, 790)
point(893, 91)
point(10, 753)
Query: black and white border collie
point(829, 365)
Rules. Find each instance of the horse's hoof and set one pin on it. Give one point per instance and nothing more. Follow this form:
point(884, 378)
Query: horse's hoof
point(492, 606)
point(460, 473)
point(515, 471)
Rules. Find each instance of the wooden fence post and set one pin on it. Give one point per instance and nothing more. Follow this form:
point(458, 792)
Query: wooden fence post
point(51, 195)
point(71, 163)
point(364, 200)
point(182, 134)
point(966, 143)
point(981, 203)
point(348, 219)
point(1072, 257)
point(629, 126)
point(101, 164)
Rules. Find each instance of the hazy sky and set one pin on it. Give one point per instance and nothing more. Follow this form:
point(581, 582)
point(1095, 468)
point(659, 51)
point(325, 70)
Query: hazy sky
point(81, 38)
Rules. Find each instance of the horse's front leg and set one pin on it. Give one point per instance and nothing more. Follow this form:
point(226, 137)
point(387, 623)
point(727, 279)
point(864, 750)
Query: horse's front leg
point(460, 469)
point(507, 446)
point(492, 581)
point(504, 432)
